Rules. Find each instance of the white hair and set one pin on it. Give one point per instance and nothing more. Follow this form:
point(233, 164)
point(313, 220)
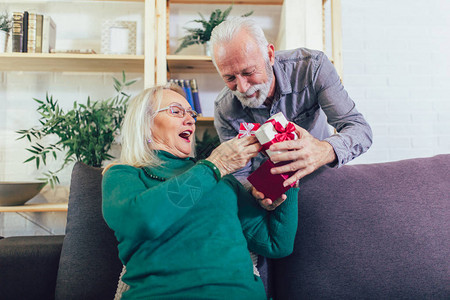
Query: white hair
point(226, 31)
point(136, 129)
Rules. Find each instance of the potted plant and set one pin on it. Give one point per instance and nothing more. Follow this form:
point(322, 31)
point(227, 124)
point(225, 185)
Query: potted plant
point(203, 35)
point(5, 28)
point(206, 145)
point(85, 133)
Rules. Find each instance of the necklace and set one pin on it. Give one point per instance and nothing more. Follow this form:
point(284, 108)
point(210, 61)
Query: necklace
point(152, 176)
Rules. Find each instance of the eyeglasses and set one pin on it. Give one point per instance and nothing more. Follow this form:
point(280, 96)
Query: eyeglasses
point(178, 111)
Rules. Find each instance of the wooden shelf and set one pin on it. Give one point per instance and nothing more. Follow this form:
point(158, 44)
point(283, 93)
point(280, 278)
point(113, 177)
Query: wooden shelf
point(44, 207)
point(244, 2)
point(206, 121)
point(61, 62)
point(190, 64)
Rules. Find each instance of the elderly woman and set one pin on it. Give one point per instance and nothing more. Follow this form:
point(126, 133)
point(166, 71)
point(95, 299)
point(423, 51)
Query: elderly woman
point(185, 227)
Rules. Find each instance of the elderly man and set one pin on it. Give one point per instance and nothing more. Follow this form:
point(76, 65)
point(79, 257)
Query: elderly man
point(301, 83)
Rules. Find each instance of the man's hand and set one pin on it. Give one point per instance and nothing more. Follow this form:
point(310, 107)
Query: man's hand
point(306, 153)
point(267, 203)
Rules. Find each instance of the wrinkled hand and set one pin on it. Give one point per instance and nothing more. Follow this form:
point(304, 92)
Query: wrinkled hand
point(234, 154)
point(267, 203)
point(306, 153)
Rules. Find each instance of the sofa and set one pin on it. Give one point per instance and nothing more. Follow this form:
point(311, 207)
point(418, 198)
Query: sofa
point(366, 231)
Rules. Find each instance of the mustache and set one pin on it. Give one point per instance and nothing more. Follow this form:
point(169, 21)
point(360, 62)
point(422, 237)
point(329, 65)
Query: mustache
point(253, 89)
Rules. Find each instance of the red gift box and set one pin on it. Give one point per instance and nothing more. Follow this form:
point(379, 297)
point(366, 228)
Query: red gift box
point(271, 185)
point(248, 129)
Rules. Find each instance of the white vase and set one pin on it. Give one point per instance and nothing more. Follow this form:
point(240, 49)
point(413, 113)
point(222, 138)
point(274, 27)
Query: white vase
point(3, 41)
point(207, 47)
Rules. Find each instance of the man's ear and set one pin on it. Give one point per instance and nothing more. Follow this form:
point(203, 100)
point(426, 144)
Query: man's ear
point(271, 52)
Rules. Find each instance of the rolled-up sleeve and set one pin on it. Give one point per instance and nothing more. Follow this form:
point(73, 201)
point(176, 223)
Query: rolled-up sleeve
point(354, 135)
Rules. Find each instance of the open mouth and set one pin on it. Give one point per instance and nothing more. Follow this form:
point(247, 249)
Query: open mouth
point(186, 135)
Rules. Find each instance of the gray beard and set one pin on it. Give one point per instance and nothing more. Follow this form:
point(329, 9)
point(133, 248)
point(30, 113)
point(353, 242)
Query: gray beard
point(263, 89)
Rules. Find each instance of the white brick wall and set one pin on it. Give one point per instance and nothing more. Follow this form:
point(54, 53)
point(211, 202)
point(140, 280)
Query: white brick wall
point(397, 69)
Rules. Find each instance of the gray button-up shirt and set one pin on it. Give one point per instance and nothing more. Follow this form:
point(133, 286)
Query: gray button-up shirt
point(309, 93)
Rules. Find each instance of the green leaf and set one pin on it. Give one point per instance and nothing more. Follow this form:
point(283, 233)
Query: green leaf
point(226, 13)
point(29, 159)
point(202, 35)
point(130, 83)
point(116, 82)
point(32, 151)
point(84, 133)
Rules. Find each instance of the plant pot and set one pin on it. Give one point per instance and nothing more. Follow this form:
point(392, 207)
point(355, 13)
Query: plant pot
point(207, 48)
point(3, 41)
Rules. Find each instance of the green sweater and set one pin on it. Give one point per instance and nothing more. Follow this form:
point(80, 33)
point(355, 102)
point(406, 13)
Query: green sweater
point(189, 236)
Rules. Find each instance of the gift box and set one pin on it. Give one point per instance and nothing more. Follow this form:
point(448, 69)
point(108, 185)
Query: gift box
point(271, 185)
point(276, 129)
point(248, 129)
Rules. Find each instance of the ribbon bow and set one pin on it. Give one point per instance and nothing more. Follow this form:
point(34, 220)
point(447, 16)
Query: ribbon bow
point(248, 129)
point(284, 133)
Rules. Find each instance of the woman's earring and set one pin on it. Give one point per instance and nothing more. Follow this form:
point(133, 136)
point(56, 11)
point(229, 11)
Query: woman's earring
point(149, 141)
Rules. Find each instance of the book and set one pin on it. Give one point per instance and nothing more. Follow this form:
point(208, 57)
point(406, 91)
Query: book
point(25, 32)
point(17, 32)
point(189, 98)
point(48, 34)
point(195, 96)
point(181, 83)
point(39, 23)
point(186, 91)
point(190, 89)
point(31, 40)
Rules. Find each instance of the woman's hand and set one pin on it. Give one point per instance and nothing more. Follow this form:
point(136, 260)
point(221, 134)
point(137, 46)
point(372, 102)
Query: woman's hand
point(234, 154)
point(267, 203)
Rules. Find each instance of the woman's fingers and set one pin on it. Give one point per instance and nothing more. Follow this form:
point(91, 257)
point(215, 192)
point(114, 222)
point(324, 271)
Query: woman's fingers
point(269, 204)
point(247, 146)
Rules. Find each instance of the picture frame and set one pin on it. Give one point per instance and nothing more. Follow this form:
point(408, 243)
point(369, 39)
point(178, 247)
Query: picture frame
point(119, 37)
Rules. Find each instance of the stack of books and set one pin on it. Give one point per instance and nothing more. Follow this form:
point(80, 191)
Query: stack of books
point(32, 32)
point(190, 88)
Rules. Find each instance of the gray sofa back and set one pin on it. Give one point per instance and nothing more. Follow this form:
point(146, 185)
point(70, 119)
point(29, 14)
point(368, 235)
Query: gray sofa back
point(89, 266)
point(371, 231)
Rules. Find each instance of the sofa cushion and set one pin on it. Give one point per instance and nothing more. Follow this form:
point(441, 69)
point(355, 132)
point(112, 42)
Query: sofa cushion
point(371, 231)
point(89, 266)
point(28, 266)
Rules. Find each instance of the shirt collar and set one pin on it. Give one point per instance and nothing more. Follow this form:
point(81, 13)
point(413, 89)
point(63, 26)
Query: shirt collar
point(283, 82)
point(164, 155)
